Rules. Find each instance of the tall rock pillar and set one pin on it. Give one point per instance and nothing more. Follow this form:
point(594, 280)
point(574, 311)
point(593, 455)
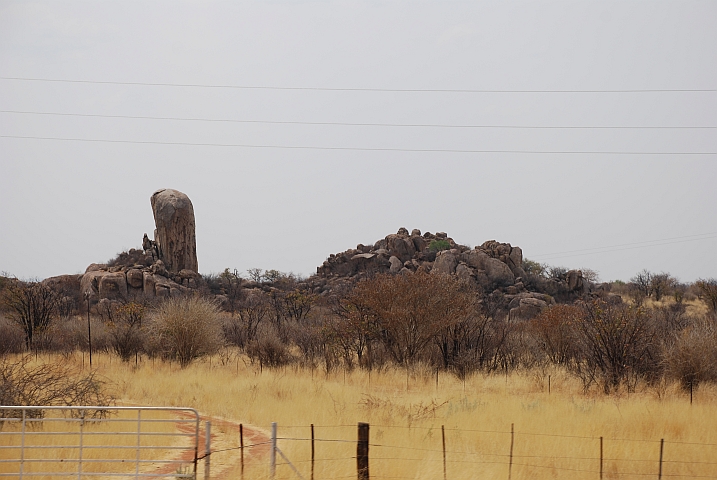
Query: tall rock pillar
point(174, 230)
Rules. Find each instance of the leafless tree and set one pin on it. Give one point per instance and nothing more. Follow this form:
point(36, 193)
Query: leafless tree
point(661, 284)
point(642, 282)
point(708, 292)
point(127, 333)
point(411, 310)
point(32, 306)
point(616, 345)
point(230, 281)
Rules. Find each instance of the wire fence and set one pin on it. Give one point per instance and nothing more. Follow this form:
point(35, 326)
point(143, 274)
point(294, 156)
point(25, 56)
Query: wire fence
point(441, 452)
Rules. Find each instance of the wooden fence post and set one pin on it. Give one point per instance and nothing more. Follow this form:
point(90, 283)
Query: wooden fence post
point(362, 452)
point(207, 449)
point(662, 445)
point(510, 461)
point(312, 451)
point(443, 437)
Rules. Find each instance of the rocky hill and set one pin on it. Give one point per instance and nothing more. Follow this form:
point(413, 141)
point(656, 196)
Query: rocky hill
point(493, 268)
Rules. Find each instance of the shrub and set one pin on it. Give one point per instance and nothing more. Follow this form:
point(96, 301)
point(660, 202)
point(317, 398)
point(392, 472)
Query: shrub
point(31, 305)
point(126, 331)
point(130, 258)
point(708, 292)
point(12, 338)
point(692, 358)
point(410, 311)
point(438, 245)
point(554, 329)
point(22, 384)
point(187, 328)
point(616, 345)
point(269, 351)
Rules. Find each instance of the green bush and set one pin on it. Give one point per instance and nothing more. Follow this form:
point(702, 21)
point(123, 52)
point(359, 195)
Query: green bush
point(438, 245)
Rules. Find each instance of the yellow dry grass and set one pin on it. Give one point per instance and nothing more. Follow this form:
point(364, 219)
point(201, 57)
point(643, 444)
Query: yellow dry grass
point(108, 445)
point(557, 435)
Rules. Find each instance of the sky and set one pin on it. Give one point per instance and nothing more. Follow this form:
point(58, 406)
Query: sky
point(302, 128)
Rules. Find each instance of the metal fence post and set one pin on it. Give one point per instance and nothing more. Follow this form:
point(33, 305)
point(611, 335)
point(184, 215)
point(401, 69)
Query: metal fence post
point(510, 461)
point(662, 446)
point(272, 469)
point(207, 448)
point(79, 459)
point(312, 451)
point(139, 441)
point(22, 446)
point(443, 437)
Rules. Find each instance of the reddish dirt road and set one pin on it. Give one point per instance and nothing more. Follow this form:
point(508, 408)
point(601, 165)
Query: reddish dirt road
point(226, 459)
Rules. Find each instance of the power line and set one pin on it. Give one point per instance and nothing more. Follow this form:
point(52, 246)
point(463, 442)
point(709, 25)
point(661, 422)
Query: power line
point(351, 89)
point(355, 124)
point(626, 248)
point(643, 243)
point(363, 149)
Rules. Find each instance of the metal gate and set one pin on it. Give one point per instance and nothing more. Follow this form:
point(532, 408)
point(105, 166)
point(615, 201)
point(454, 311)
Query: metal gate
point(98, 442)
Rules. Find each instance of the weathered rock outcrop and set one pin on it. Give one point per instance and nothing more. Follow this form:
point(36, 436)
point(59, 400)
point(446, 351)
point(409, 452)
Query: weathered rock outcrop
point(490, 265)
point(174, 234)
point(493, 267)
point(166, 266)
point(123, 282)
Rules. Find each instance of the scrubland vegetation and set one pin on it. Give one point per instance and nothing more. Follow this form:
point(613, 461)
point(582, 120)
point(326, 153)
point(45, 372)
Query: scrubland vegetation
point(408, 354)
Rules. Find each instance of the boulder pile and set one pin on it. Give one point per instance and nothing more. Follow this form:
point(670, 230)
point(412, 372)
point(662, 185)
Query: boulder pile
point(493, 267)
point(102, 281)
point(167, 265)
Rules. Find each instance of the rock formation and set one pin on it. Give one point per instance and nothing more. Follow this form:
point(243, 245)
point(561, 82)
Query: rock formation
point(493, 267)
point(174, 235)
point(166, 266)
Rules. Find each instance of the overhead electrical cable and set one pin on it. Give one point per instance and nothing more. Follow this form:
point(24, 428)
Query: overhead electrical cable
point(610, 250)
point(366, 149)
point(361, 89)
point(354, 124)
point(709, 234)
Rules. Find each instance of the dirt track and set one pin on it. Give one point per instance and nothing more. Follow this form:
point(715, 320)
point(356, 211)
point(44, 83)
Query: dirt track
point(226, 460)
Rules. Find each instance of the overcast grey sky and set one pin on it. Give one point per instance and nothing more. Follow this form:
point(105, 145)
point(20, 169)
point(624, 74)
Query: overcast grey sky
point(67, 203)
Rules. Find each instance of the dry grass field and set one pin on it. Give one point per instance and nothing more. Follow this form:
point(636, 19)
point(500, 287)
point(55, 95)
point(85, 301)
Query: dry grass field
point(57, 437)
point(557, 434)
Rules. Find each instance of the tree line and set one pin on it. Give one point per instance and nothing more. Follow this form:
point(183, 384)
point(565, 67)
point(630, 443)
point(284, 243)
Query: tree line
point(437, 321)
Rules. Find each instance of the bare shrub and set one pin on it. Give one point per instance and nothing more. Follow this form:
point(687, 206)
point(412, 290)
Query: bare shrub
point(187, 328)
point(662, 284)
point(127, 334)
point(692, 358)
point(313, 339)
point(707, 292)
point(640, 285)
point(411, 310)
point(616, 345)
point(25, 384)
point(31, 305)
point(12, 338)
point(67, 335)
point(269, 351)
point(252, 309)
point(554, 329)
point(130, 258)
